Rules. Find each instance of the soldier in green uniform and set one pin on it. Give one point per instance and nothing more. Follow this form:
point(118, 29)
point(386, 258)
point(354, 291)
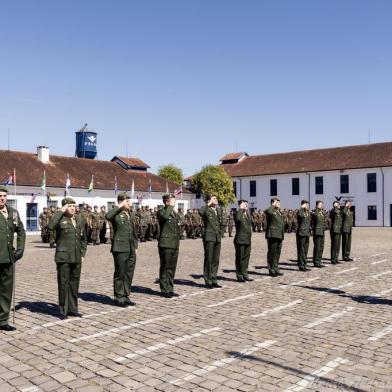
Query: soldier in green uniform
point(303, 235)
point(51, 233)
point(274, 234)
point(124, 245)
point(102, 231)
point(347, 228)
point(95, 225)
point(242, 241)
point(230, 223)
point(71, 249)
point(10, 223)
point(43, 223)
point(336, 232)
point(182, 223)
point(211, 240)
point(318, 229)
point(168, 245)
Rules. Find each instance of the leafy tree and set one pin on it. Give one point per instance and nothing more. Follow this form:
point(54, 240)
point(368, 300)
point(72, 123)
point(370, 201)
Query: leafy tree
point(171, 173)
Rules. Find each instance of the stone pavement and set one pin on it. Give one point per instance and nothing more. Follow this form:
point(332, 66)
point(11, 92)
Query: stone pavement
point(328, 329)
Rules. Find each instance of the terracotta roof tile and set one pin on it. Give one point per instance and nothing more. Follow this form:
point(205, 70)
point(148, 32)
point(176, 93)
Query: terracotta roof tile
point(233, 156)
point(131, 161)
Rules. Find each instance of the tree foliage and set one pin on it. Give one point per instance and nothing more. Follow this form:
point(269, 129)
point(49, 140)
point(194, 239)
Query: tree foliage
point(171, 173)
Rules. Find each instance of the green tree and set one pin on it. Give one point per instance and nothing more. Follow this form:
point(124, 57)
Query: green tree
point(171, 173)
point(213, 179)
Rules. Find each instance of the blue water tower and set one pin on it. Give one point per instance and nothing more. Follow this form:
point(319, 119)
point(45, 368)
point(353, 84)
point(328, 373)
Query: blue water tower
point(86, 143)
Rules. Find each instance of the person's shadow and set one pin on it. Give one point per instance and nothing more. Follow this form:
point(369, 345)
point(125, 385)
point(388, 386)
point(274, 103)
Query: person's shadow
point(187, 282)
point(95, 297)
point(145, 290)
point(39, 307)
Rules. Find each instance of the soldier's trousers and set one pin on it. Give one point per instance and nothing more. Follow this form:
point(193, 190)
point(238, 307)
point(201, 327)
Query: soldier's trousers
point(95, 235)
point(302, 250)
point(335, 246)
point(318, 248)
point(242, 256)
point(102, 235)
point(68, 278)
point(6, 286)
point(124, 268)
point(273, 255)
point(143, 232)
point(346, 245)
point(167, 270)
point(211, 261)
point(230, 230)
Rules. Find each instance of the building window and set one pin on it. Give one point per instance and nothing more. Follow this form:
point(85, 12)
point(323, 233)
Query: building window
point(12, 203)
point(252, 188)
point(372, 182)
point(235, 188)
point(274, 187)
point(344, 180)
point(319, 183)
point(180, 206)
point(295, 186)
point(372, 212)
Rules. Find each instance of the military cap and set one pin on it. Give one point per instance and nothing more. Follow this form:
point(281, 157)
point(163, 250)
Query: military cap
point(168, 196)
point(274, 199)
point(123, 196)
point(304, 202)
point(3, 188)
point(242, 201)
point(67, 200)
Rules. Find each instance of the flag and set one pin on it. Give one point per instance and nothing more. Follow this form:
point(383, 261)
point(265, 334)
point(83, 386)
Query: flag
point(91, 186)
point(178, 191)
point(139, 198)
point(10, 180)
point(43, 183)
point(133, 188)
point(149, 187)
point(67, 185)
point(115, 185)
point(167, 187)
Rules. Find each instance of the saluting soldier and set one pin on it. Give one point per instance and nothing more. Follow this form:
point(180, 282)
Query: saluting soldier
point(336, 232)
point(303, 235)
point(275, 235)
point(347, 229)
point(318, 229)
point(242, 241)
point(71, 246)
point(168, 245)
point(212, 239)
point(10, 223)
point(124, 245)
point(230, 223)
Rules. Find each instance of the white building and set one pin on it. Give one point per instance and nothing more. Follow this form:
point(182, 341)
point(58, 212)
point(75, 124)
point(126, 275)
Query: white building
point(123, 174)
point(361, 173)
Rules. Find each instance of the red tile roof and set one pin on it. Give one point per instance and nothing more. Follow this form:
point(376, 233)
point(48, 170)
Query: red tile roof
point(233, 156)
point(340, 158)
point(131, 161)
point(29, 172)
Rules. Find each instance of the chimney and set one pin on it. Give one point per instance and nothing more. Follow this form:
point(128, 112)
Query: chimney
point(43, 154)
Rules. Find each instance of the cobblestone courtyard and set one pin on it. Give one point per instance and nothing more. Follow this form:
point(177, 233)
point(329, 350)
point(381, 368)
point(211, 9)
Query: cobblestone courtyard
point(328, 329)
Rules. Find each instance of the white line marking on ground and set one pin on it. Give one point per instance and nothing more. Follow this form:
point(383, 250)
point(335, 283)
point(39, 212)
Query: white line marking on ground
point(304, 383)
point(382, 274)
point(299, 282)
point(30, 389)
point(233, 299)
point(170, 342)
point(277, 309)
point(381, 334)
point(345, 271)
point(197, 293)
point(123, 328)
point(332, 289)
point(329, 318)
point(380, 293)
point(378, 254)
point(221, 363)
point(379, 262)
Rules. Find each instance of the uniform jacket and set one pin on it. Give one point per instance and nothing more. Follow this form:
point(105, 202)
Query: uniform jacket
point(7, 229)
point(170, 228)
point(124, 230)
point(275, 223)
point(212, 224)
point(243, 228)
point(336, 220)
point(348, 220)
point(318, 223)
point(71, 241)
point(303, 218)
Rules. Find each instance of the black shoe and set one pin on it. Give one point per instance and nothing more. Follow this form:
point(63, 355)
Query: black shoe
point(63, 317)
point(338, 262)
point(248, 279)
point(216, 286)
point(279, 273)
point(173, 294)
point(121, 304)
point(75, 314)
point(129, 302)
point(273, 274)
point(307, 269)
point(209, 286)
point(302, 269)
point(241, 280)
point(166, 295)
point(333, 262)
point(7, 328)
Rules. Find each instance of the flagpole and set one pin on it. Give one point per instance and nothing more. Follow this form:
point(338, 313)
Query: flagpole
point(15, 181)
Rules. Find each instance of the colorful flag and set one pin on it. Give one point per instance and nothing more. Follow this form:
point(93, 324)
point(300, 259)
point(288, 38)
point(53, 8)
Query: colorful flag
point(43, 183)
point(149, 187)
point(178, 191)
point(133, 188)
point(91, 186)
point(10, 180)
point(167, 187)
point(67, 185)
point(115, 185)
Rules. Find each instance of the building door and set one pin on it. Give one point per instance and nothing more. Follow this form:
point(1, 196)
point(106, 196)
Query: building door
point(31, 217)
point(353, 211)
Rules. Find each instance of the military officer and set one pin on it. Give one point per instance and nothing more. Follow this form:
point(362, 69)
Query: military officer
point(274, 234)
point(102, 231)
point(318, 229)
point(168, 245)
point(336, 232)
point(212, 238)
point(51, 233)
point(303, 235)
point(43, 223)
point(242, 241)
point(96, 221)
point(230, 223)
point(124, 245)
point(10, 223)
point(347, 228)
point(71, 245)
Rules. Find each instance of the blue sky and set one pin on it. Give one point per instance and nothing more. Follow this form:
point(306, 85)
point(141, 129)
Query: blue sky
point(185, 82)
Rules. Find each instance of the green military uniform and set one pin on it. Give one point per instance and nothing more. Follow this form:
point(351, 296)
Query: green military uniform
point(124, 245)
point(242, 243)
point(103, 225)
point(10, 223)
point(168, 246)
point(212, 243)
point(51, 233)
point(230, 223)
point(347, 228)
point(303, 234)
point(318, 228)
point(336, 233)
point(96, 222)
point(71, 246)
point(43, 223)
point(274, 234)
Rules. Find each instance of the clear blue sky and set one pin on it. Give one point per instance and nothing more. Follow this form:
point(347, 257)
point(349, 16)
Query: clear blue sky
point(187, 81)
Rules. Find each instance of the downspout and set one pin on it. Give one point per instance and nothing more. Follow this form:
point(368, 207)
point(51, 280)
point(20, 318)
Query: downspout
point(382, 198)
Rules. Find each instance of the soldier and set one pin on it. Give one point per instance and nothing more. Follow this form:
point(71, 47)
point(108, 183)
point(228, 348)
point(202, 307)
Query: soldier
point(195, 221)
point(143, 221)
point(230, 223)
point(168, 245)
point(318, 229)
point(223, 221)
point(102, 232)
point(123, 248)
point(211, 240)
point(275, 235)
point(347, 228)
point(254, 220)
point(242, 241)
point(182, 223)
point(95, 224)
point(51, 233)
point(70, 252)
point(303, 234)
point(43, 223)
point(336, 232)
point(10, 223)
